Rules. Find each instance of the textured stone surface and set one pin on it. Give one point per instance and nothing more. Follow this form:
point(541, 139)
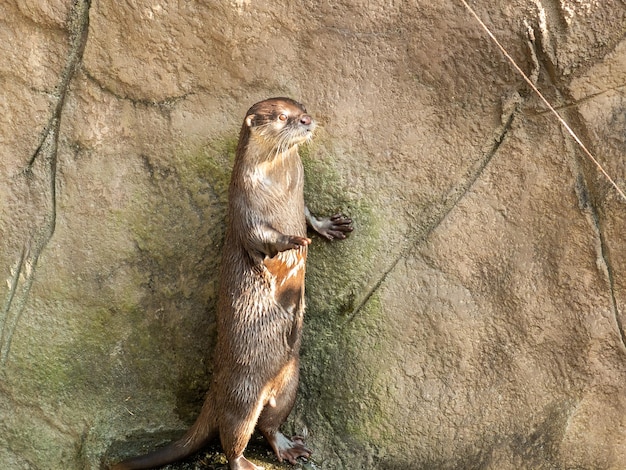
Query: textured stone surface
point(473, 320)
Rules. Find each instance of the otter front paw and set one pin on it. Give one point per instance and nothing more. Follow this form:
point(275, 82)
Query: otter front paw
point(336, 226)
point(297, 242)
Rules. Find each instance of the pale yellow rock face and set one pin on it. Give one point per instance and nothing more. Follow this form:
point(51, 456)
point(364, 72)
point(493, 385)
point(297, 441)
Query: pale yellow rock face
point(473, 320)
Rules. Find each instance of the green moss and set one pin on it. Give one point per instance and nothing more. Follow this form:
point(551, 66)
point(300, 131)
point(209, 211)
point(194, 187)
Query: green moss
point(50, 372)
point(189, 204)
point(73, 365)
point(210, 164)
point(343, 380)
point(343, 371)
point(149, 310)
point(178, 228)
point(337, 272)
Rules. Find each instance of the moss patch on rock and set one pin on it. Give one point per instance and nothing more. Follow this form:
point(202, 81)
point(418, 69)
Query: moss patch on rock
point(342, 380)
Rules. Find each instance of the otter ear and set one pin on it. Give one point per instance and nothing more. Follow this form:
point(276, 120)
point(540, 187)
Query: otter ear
point(250, 120)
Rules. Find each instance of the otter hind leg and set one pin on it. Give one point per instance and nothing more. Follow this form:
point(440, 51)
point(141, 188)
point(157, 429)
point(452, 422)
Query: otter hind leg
point(275, 413)
point(236, 428)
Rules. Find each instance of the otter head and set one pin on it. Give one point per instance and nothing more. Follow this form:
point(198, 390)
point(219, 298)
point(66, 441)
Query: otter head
point(278, 123)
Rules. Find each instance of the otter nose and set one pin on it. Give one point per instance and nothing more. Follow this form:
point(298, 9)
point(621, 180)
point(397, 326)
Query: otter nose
point(306, 120)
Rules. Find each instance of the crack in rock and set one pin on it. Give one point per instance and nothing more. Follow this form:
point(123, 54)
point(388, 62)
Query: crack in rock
point(510, 107)
point(584, 99)
point(589, 207)
point(164, 103)
point(588, 204)
point(45, 156)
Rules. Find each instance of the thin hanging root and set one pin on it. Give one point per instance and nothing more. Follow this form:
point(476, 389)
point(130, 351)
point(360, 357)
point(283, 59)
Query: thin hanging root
point(550, 107)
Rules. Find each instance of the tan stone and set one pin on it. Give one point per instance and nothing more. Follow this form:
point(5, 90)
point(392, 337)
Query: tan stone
point(474, 319)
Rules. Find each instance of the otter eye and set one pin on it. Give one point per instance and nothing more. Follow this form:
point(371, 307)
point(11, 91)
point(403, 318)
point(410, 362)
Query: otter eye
point(283, 117)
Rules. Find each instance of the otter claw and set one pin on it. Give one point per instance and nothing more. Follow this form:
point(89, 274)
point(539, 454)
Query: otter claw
point(340, 219)
point(297, 242)
point(288, 449)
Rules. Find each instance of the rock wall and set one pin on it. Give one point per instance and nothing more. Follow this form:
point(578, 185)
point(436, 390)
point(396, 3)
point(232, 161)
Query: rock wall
point(475, 318)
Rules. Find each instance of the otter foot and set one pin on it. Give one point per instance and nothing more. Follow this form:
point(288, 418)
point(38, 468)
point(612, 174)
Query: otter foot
point(242, 463)
point(288, 449)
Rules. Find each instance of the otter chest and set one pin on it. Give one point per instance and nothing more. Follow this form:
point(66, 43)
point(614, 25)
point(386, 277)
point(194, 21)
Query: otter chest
point(277, 176)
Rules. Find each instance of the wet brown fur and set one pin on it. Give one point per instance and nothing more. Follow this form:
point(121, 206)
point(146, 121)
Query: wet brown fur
point(261, 300)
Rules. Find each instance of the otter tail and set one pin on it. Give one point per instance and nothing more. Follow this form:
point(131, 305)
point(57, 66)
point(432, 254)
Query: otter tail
point(201, 432)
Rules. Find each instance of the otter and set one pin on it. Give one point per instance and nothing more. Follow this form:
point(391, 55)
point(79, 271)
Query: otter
point(261, 297)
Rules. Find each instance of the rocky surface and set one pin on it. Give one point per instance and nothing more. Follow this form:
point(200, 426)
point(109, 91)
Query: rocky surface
point(475, 318)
